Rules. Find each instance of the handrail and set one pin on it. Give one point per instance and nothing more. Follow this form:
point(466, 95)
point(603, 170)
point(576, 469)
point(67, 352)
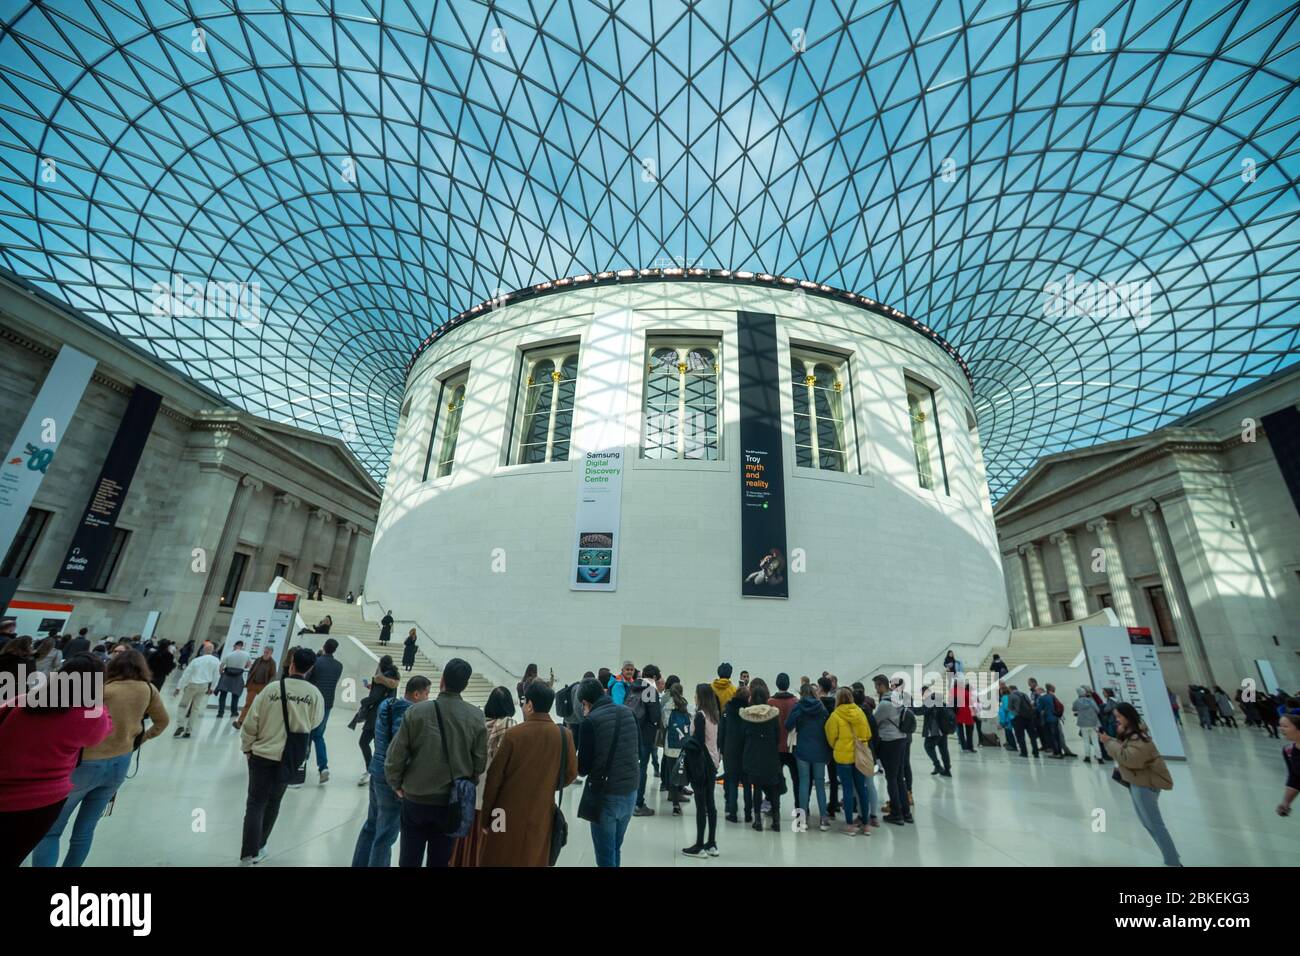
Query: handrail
point(363, 604)
point(1007, 626)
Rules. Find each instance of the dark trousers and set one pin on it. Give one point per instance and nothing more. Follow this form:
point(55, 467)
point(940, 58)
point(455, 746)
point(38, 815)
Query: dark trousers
point(643, 753)
point(1023, 728)
point(234, 702)
point(966, 736)
point(792, 767)
point(367, 736)
point(424, 827)
point(1051, 739)
point(21, 830)
point(936, 748)
point(892, 753)
point(834, 806)
point(706, 809)
point(772, 794)
point(729, 784)
point(907, 766)
point(266, 786)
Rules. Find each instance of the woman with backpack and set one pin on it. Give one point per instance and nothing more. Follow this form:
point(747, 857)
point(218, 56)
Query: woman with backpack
point(1143, 771)
point(676, 728)
point(760, 761)
point(845, 729)
point(703, 755)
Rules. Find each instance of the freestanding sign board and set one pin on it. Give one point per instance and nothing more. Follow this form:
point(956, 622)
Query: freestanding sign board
point(38, 619)
point(34, 447)
point(262, 619)
point(1125, 660)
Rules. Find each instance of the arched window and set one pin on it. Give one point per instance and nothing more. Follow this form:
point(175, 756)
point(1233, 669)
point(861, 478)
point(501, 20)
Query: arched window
point(550, 382)
point(681, 401)
point(927, 440)
point(819, 386)
point(454, 389)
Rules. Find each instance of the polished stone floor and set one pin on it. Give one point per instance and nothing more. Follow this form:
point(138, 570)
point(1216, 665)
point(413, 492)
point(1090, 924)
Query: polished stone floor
point(185, 807)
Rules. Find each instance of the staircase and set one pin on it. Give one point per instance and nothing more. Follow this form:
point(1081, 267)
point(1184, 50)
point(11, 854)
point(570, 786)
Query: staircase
point(349, 621)
point(1055, 645)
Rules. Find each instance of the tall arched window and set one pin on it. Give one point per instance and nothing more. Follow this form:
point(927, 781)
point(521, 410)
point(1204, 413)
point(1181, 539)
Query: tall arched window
point(454, 389)
point(546, 395)
point(681, 400)
point(820, 385)
point(927, 440)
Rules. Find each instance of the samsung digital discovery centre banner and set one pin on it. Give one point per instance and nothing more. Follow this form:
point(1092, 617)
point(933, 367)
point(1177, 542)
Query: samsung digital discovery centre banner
point(763, 554)
point(94, 535)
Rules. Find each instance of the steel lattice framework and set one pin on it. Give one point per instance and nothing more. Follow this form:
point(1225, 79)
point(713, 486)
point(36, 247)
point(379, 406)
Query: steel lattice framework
point(1095, 202)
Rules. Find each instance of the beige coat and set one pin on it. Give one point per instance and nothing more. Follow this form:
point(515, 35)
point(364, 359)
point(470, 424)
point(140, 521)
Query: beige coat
point(519, 797)
point(1140, 764)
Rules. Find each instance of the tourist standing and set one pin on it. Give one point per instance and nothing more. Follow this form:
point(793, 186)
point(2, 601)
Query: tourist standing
point(760, 763)
point(723, 688)
point(892, 748)
point(1087, 717)
point(812, 752)
point(1141, 767)
point(731, 741)
point(408, 650)
point(440, 742)
point(130, 697)
point(276, 738)
point(261, 673)
point(641, 696)
point(534, 759)
point(607, 757)
point(702, 760)
point(384, 814)
point(499, 716)
point(784, 701)
point(162, 661)
point(233, 665)
point(386, 627)
point(42, 743)
point(846, 729)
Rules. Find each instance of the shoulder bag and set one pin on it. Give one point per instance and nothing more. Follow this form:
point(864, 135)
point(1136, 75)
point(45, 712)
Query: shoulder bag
point(559, 825)
point(464, 791)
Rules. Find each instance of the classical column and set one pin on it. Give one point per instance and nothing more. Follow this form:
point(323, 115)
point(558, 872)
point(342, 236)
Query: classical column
point(281, 510)
point(316, 520)
point(346, 583)
point(1121, 596)
point(1074, 581)
point(220, 565)
point(1014, 569)
point(1189, 639)
point(1038, 582)
point(335, 585)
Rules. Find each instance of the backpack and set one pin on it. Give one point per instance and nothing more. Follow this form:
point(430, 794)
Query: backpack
point(635, 700)
point(1059, 707)
point(679, 727)
point(297, 745)
point(947, 720)
point(906, 719)
point(1021, 706)
point(564, 702)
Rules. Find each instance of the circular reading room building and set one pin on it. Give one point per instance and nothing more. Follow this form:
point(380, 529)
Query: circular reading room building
point(683, 467)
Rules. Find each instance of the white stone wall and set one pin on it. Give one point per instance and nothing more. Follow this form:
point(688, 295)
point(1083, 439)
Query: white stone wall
point(895, 573)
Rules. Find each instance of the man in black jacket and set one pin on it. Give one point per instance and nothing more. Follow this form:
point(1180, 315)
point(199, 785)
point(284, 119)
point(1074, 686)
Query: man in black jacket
point(325, 674)
point(608, 744)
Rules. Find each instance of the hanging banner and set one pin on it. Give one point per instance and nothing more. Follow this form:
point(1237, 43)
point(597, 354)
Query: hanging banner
point(262, 619)
point(1126, 661)
point(763, 554)
point(38, 619)
point(33, 448)
point(94, 535)
point(600, 446)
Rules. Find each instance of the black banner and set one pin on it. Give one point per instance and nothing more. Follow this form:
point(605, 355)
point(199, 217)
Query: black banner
point(94, 537)
point(763, 556)
point(1282, 429)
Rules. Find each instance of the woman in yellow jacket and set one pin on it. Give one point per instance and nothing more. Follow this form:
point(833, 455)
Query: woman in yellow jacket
point(847, 724)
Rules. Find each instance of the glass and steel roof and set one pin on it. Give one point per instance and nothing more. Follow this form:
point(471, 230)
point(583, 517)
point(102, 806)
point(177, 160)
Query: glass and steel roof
point(1094, 202)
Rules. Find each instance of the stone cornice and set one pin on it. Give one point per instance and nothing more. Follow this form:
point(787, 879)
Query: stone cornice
point(1162, 447)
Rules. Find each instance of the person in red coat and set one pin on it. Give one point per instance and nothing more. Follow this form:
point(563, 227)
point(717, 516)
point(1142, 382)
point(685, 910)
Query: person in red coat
point(965, 715)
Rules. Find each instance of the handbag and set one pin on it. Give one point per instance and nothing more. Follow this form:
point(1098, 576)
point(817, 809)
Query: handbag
point(863, 759)
point(593, 791)
point(460, 804)
point(559, 825)
point(1115, 775)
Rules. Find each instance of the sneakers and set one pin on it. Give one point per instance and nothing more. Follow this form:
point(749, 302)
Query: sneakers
point(325, 776)
point(677, 811)
point(179, 731)
point(850, 829)
point(896, 821)
point(643, 811)
point(731, 818)
point(253, 860)
point(696, 852)
point(712, 849)
point(364, 781)
point(294, 786)
point(823, 825)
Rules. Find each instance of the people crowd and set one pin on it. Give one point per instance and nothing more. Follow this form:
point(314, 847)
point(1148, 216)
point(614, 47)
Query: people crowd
point(450, 784)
